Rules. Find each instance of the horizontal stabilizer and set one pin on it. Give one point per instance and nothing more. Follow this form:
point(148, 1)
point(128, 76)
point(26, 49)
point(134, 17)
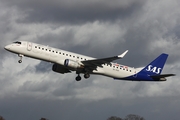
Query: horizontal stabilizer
point(161, 76)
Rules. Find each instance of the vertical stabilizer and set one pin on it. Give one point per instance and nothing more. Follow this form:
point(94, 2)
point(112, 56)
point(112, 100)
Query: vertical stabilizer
point(156, 66)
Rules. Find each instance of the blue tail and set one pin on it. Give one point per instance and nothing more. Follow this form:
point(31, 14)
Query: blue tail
point(156, 66)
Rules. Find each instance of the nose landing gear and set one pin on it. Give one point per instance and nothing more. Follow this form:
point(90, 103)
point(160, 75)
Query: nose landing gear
point(20, 55)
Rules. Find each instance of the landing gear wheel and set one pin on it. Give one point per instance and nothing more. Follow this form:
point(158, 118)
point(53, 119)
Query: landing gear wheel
point(86, 75)
point(21, 56)
point(19, 61)
point(78, 78)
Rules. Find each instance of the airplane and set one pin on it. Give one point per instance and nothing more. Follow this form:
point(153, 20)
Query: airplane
point(66, 62)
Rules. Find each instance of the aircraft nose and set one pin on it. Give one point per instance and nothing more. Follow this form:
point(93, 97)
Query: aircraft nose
point(7, 47)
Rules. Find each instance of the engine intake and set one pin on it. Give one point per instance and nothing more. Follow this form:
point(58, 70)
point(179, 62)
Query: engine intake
point(72, 64)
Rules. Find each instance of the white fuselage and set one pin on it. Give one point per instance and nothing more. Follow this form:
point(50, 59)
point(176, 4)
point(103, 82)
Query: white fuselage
point(58, 56)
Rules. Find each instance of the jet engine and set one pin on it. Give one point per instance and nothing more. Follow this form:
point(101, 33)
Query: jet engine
point(60, 69)
point(72, 64)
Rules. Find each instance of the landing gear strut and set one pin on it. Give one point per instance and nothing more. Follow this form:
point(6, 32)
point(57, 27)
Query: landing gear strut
point(20, 55)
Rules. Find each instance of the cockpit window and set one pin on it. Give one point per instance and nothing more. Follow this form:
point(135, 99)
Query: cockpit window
point(17, 42)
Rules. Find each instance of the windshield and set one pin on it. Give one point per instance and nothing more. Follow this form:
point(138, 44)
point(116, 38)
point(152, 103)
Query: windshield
point(17, 42)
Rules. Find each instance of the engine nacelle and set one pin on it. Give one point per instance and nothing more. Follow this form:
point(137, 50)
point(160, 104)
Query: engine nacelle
point(72, 64)
point(60, 69)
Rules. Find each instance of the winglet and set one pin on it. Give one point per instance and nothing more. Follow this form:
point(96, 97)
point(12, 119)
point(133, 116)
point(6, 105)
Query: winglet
point(123, 54)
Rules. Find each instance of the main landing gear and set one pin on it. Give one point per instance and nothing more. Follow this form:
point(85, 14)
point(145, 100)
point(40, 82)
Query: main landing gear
point(20, 55)
point(78, 78)
point(86, 75)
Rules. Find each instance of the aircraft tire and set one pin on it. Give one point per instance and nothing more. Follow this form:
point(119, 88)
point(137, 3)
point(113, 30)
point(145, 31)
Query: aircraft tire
point(78, 78)
point(86, 75)
point(19, 61)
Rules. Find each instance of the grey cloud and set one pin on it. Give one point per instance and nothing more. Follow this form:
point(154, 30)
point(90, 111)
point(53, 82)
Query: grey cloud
point(149, 108)
point(176, 31)
point(98, 29)
point(75, 11)
point(43, 67)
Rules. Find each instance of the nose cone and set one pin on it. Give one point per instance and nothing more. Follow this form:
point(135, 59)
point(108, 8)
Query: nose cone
point(7, 47)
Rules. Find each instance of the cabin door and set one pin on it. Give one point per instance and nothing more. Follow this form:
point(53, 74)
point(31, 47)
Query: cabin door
point(29, 46)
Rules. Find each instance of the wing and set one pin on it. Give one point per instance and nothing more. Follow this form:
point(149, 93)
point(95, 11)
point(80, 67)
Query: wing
point(93, 64)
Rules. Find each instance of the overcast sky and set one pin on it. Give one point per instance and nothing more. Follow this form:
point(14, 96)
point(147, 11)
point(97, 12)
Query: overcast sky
point(97, 28)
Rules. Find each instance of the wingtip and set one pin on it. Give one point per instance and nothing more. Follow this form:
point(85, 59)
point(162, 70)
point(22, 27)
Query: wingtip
point(123, 54)
point(173, 74)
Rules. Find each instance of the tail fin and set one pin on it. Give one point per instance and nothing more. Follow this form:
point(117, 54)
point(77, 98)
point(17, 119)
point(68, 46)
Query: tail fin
point(156, 66)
